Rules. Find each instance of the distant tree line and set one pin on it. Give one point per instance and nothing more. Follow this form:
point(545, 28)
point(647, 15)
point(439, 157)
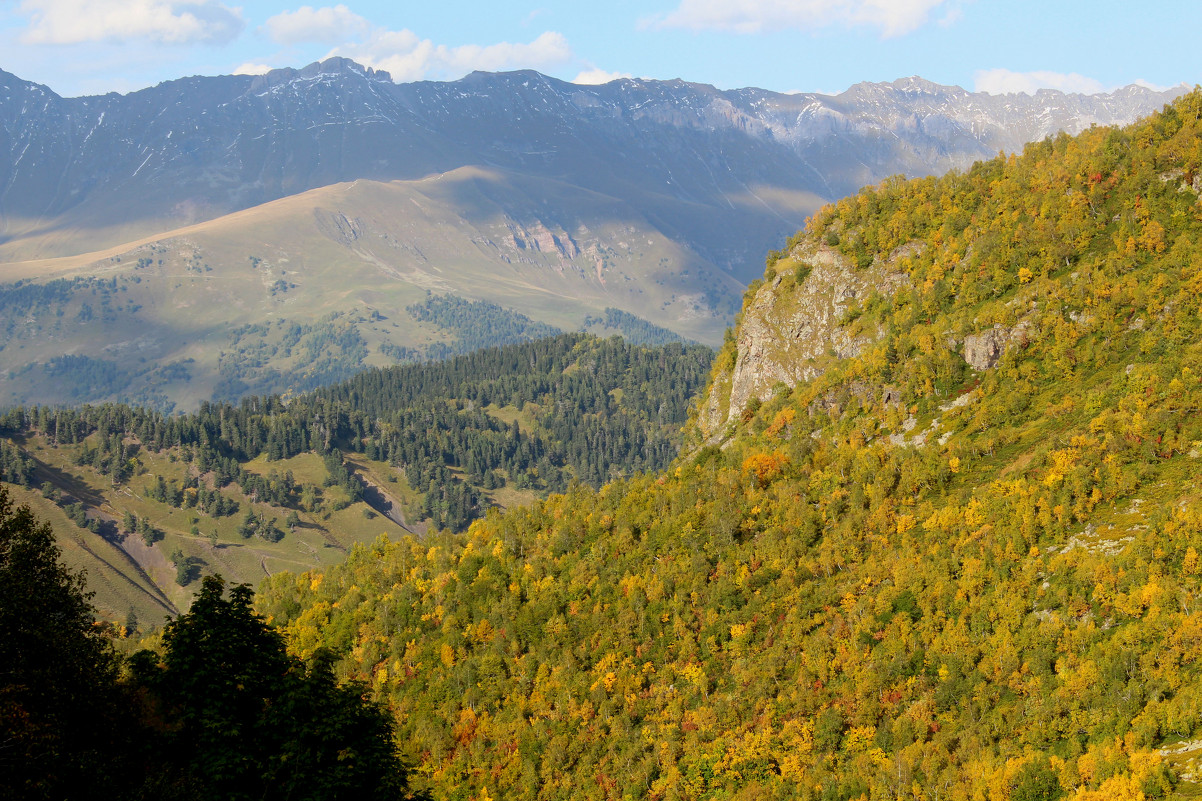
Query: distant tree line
point(16, 467)
point(476, 324)
point(22, 297)
point(595, 409)
point(634, 329)
point(331, 349)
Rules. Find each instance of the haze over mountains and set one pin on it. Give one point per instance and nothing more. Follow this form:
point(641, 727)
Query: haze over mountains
point(211, 203)
point(196, 148)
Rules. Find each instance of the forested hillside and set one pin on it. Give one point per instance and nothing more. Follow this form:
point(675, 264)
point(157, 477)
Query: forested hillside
point(149, 502)
point(952, 554)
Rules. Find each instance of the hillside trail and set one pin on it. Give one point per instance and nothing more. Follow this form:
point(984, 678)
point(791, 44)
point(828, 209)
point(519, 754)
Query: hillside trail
point(382, 501)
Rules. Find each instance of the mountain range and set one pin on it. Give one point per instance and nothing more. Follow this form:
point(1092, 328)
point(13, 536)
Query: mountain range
point(221, 202)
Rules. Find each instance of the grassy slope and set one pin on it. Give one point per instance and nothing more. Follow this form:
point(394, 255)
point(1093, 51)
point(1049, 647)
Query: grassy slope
point(126, 575)
point(352, 249)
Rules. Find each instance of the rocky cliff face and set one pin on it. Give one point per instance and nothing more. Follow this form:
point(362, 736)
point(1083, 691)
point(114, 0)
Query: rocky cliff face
point(807, 314)
point(796, 322)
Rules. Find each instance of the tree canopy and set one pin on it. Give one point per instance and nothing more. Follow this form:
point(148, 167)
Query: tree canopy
point(224, 712)
point(248, 721)
point(907, 577)
point(55, 665)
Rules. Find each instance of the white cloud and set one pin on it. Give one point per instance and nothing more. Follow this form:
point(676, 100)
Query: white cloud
point(594, 76)
point(250, 68)
point(1003, 82)
point(1149, 85)
point(891, 17)
point(953, 15)
point(328, 24)
point(410, 58)
point(167, 21)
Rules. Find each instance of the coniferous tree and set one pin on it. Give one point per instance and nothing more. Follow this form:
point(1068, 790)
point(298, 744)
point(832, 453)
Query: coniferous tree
point(252, 722)
point(57, 668)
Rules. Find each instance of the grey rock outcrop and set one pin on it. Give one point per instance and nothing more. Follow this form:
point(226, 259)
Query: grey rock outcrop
point(983, 351)
point(785, 335)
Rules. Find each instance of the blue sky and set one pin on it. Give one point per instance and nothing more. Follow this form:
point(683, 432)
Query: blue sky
point(94, 46)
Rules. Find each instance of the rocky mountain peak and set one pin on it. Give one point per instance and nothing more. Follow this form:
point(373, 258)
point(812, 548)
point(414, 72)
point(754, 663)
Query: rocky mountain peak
point(917, 85)
point(726, 174)
point(335, 69)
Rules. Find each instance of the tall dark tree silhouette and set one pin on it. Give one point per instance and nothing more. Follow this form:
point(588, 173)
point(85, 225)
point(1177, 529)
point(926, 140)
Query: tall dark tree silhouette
point(224, 713)
point(57, 668)
point(252, 722)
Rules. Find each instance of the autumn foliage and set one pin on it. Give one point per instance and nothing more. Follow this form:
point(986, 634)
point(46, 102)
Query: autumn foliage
point(825, 605)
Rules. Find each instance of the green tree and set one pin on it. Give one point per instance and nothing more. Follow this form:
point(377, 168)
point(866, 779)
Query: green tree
point(1037, 781)
point(57, 668)
point(254, 722)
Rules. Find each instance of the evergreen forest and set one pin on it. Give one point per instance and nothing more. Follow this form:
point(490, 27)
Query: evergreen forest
point(220, 711)
point(283, 483)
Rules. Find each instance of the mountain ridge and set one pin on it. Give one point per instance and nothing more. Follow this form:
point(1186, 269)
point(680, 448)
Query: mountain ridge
point(356, 256)
point(953, 554)
point(193, 146)
point(555, 200)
